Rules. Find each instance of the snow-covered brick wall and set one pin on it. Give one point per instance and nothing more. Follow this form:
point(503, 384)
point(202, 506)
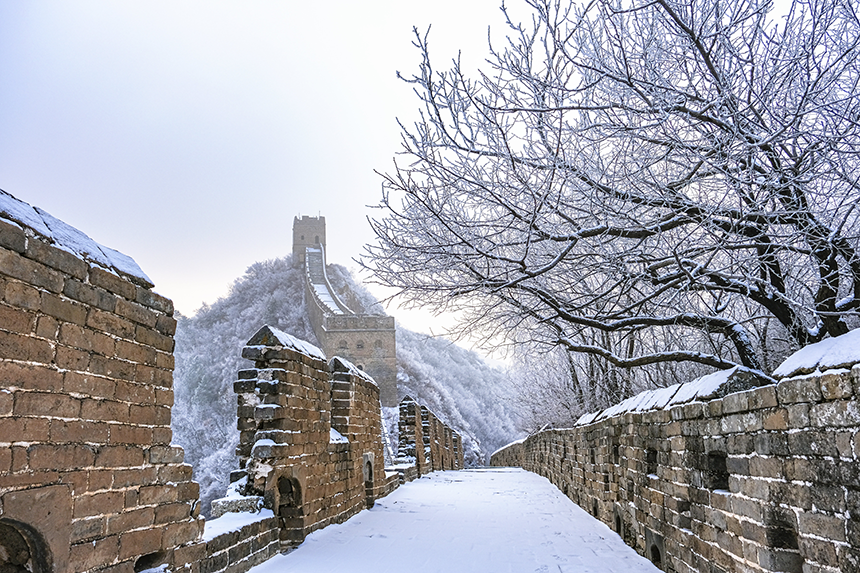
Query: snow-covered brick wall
point(766, 479)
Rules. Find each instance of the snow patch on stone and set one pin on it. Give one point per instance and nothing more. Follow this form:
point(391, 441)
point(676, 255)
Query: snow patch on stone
point(232, 522)
point(70, 239)
point(839, 352)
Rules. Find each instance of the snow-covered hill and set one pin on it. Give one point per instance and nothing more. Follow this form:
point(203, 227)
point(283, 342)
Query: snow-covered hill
point(457, 384)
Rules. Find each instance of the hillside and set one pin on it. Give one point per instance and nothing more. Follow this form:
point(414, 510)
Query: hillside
point(457, 384)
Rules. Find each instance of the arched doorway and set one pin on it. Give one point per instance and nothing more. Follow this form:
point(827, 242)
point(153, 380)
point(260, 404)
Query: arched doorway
point(23, 549)
point(290, 510)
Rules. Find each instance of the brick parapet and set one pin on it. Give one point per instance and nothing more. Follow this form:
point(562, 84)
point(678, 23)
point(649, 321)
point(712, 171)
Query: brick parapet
point(762, 480)
point(85, 400)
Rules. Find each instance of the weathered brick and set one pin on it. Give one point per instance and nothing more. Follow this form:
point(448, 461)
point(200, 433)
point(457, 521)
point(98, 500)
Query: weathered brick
point(46, 404)
point(169, 455)
point(140, 542)
point(16, 266)
point(166, 325)
point(135, 393)
point(111, 367)
point(164, 397)
point(183, 532)
point(17, 347)
point(134, 352)
point(7, 400)
point(153, 300)
point(136, 313)
point(110, 323)
point(89, 295)
point(801, 389)
point(138, 435)
point(24, 429)
point(47, 327)
point(172, 512)
point(56, 258)
point(65, 431)
point(22, 295)
point(89, 385)
point(60, 456)
point(16, 320)
point(72, 359)
point(144, 415)
point(101, 503)
point(105, 410)
point(134, 519)
point(155, 339)
point(88, 528)
point(32, 377)
point(119, 457)
point(165, 360)
point(157, 494)
point(12, 236)
point(92, 555)
point(161, 436)
point(113, 283)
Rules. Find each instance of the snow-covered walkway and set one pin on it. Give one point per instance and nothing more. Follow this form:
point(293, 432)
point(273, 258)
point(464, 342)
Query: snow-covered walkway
point(491, 520)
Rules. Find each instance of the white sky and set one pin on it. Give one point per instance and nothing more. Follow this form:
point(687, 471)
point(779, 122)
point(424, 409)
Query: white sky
point(188, 134)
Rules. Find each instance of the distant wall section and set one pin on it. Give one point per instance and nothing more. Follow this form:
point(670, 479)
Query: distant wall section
point(368, 341)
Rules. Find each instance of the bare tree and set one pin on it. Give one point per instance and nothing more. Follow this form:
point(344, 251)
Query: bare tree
point(644, 181)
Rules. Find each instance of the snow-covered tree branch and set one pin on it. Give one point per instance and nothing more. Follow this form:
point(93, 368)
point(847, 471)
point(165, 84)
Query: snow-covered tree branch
point(666, 179)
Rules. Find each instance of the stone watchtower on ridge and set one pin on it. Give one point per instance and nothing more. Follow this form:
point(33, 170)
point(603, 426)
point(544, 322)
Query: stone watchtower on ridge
point(366, 340)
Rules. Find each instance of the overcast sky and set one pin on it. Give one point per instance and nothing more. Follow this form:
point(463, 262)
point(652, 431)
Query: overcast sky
point(188, 134)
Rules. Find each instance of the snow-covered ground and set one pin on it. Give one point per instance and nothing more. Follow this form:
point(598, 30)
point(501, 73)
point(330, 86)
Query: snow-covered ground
point(492, 520)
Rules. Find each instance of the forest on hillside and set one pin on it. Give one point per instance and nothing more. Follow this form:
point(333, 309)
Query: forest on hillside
point(464, 391)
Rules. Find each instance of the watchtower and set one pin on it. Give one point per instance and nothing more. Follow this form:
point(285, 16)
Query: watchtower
point(307, 232)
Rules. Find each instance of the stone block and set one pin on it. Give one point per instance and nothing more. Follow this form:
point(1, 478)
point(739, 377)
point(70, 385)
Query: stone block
point(58, 259)
point(113, 283)
point(12, 236)
point(22, 295)
point(34, 273)
point(799, 390)
point(17, 320)
point(154, 339)
point(838, 413)
point(110, 323)
point(139, 542)
point(17, 347)
point(154, 301)
point(836, 385)
point(166, 455)
point(92, 555)
point(89, 295)
point(136, 313)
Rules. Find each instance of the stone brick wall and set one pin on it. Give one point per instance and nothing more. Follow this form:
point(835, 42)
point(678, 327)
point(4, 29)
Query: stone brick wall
point(234, 551)
point(762, 480)
point(87, 473)
point(440, 446)
point(288, 408)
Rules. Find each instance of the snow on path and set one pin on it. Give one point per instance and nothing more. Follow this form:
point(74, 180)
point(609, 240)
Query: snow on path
point(492, 520)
